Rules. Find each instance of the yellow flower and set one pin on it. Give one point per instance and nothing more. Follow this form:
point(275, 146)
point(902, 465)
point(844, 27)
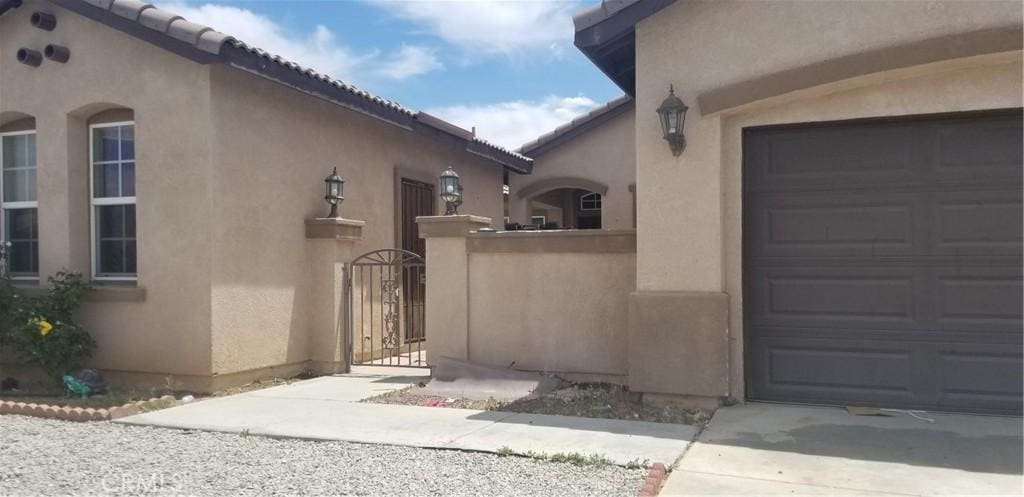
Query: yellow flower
point(44, 327)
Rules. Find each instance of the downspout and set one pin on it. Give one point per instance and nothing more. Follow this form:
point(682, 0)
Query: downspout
point(6, 5)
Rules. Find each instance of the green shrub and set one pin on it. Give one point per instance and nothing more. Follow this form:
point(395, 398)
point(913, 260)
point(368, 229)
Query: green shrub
point(41, 331)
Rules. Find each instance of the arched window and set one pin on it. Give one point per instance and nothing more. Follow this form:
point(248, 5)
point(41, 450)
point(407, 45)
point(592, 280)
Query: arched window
point(19, 222)
point(112, 187)
point(590, 202)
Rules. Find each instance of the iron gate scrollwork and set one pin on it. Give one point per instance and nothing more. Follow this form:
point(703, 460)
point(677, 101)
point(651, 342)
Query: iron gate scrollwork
point(386, 302)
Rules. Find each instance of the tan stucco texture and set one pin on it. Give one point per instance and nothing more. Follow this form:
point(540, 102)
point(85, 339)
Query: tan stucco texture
point(229, 167)
point(604, 155)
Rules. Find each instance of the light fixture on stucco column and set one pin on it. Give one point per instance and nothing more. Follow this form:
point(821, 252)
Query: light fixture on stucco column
point(335, 192)
point(451, 191)
point(672, 113)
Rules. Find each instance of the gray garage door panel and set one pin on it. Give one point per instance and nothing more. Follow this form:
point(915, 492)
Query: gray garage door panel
point(882, 262)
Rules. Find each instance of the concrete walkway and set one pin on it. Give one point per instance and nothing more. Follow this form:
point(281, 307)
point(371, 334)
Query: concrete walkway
point(327, 408)
point(764, 449)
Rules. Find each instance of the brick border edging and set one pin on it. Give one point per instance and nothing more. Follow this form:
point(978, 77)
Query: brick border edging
point(77, 413)
point(653, 481)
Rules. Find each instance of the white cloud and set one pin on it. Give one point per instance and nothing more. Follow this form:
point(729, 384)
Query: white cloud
point(410, 60)
point(509, 27)
point(320, 49)
point(513, 124)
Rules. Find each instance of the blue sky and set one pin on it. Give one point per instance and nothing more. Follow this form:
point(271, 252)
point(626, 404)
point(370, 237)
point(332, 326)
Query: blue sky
point(507, 67)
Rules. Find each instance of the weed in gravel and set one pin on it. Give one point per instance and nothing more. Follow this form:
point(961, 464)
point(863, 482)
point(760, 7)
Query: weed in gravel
point(574, 458)
point(638, 464)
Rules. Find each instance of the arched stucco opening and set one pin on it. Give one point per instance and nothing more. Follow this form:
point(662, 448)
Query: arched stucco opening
point(567, 203)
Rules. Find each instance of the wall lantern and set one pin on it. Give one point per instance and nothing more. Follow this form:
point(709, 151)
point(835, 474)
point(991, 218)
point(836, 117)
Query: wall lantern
point(335, 192)
point(672, 113)
point(451, 191)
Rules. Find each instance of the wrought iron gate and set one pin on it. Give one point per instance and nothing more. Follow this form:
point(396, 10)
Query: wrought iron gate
point(386, 309)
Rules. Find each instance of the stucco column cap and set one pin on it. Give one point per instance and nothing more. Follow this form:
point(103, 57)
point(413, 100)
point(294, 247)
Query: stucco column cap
point(450, 226)
point(334, 228)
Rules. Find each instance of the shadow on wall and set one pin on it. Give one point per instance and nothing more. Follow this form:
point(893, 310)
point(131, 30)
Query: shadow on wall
point(916, 446)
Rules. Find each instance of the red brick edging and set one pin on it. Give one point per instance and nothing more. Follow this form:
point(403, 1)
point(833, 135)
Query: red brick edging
point(652, 483)
point(77, 413)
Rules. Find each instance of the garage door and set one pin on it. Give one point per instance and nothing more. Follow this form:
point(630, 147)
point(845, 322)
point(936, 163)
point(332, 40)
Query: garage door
point(882, 262)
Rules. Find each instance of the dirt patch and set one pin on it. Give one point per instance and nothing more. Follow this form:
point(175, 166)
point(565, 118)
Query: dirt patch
point(587, 400)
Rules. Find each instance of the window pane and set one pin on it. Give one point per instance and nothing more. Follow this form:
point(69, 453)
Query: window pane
point(9, 144)
point(110, 221)
point(129, 255)
point(21, 224)
point(112, 258)
point(24, 257)
point(105, 180)
point(128, 179)
point(115, 229)
point(30, 185)
point(19, 151)
point(127, 142)
point(30, 145)
point(16, 185)
point(104, 144)
point(23, 233)
point(129, 221)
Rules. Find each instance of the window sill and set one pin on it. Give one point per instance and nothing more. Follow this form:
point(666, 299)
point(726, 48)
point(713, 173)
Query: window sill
point(115, 292)
point(101, 292)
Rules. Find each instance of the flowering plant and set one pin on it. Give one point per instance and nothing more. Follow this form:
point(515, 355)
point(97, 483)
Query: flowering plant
point(41, 330)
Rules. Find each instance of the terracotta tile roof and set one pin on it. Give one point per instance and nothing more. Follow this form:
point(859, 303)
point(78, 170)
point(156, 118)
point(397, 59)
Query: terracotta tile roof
point(577, 126)
point(207, 45)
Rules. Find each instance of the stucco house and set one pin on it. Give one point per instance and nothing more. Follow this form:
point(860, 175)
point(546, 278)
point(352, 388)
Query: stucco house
point(178, 167)
point(583, 173)
point(843, 226)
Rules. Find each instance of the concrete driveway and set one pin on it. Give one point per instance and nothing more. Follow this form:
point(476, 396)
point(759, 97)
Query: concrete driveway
point(765, 449)
point(328, 408)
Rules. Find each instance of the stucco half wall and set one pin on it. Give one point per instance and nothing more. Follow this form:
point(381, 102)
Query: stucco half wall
point(689, 207)
point(551, 301)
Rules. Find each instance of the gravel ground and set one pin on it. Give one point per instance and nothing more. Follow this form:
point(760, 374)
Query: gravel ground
point(49, 457)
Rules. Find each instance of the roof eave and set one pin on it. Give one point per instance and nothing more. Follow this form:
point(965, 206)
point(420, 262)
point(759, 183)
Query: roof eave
point(577, 127)
point(606, 34)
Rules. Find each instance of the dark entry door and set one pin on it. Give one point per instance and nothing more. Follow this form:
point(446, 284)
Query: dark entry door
point(417, 200)
point(882, 262)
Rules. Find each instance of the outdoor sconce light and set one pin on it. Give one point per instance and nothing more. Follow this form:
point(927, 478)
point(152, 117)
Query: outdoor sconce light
point(57, 53)
point(451, 191)
point(29, 57)
point(335, 192)
point(43, 20)
point(672, 113)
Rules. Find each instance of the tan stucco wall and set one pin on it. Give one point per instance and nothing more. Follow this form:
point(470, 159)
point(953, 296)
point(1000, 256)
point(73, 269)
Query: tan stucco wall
point(229, 166)
point(604, 155)
point(689, 225)
point(484, 305)
point(168, 332)
point(581, 332)
point(281, 144)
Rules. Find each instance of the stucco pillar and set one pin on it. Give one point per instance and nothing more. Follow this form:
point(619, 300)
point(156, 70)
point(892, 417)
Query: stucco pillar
point(331, 241)
point(448, 283)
